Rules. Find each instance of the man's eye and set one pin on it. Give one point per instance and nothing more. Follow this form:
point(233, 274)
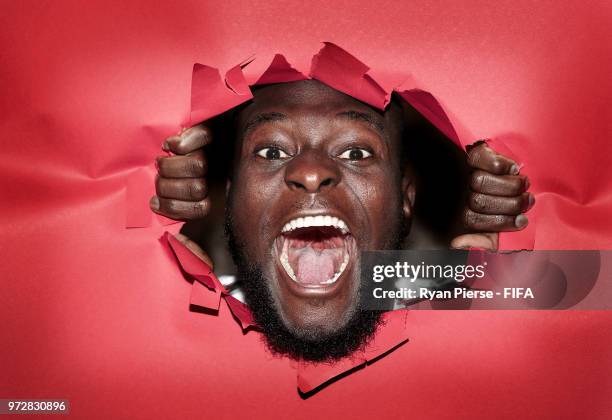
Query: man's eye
point(272, 153)
point(355, 154)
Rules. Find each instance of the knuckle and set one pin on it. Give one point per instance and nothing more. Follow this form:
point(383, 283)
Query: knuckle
point(478, 202)
point(197, 189)
point(207, 137)
point(477, 181)
point(497, 166)
point(474, 157)
point(466, 218)
point(517, 204)
point(165, 188)
point(200, 208)
point(180, 148)
point(161, 163)
point(198, 155)
point(194, 138)
point(516, 185)
point(165, 207)
point(477, 147)
point(167, 167)
point(172, 207)
point(202, 131)
point(195, 167)
point(158, 185)
point(471, 218)
point(502, 221)
point(204, 135)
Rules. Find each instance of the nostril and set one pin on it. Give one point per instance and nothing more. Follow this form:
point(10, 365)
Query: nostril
point(298, 185)
point(326, 182)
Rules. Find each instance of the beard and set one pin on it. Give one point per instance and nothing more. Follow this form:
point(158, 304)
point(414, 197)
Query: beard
point(304, 345)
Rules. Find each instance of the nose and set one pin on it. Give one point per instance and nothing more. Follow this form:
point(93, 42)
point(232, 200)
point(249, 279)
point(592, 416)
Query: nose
point(312, 172)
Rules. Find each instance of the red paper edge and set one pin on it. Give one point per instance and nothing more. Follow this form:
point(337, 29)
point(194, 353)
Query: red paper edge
point(391, 334)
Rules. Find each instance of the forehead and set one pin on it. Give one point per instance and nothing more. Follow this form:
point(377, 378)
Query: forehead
point(310, 98)
point(303, 94)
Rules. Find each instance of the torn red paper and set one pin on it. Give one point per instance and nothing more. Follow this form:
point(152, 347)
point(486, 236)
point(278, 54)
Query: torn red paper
point(211, 96)
point(279, 71)
point(92, 307)
point(333, 66)
point(207, 290)
point(342, 71)
point(430, 108)
point(391, 334)
point(140, 187)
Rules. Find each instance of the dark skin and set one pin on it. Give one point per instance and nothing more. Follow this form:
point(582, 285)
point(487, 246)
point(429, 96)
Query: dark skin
point(305, 149)
point(319, 155)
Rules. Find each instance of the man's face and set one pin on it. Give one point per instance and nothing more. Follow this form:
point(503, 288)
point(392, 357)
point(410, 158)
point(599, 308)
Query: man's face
point(316, 180)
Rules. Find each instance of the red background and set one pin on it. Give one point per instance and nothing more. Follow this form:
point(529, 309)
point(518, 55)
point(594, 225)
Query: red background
point(98, 314)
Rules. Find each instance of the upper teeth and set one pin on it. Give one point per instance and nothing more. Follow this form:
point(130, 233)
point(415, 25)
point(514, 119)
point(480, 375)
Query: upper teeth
point(302, 222)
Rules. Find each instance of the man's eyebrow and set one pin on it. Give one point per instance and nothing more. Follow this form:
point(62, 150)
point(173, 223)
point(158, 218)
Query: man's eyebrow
point(263, 118)
point(365, 117)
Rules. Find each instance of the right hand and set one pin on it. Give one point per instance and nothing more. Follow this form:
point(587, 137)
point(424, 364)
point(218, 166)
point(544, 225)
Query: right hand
point(182, 193)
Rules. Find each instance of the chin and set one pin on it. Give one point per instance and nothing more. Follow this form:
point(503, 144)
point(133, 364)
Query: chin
point(316, 320)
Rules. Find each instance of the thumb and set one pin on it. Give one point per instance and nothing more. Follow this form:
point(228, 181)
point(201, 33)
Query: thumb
point(486, 241)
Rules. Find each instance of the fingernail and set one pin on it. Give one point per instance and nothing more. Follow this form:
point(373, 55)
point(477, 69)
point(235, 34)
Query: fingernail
point(527, 183)
point(531, 201)
point(165, 146)
point(154, 203)
point(514, 169)
point(521, 221)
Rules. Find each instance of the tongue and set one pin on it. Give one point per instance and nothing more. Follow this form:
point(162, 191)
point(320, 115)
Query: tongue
point(314, 267)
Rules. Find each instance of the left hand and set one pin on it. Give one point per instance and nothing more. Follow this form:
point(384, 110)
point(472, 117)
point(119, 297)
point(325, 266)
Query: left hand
point(497, 201)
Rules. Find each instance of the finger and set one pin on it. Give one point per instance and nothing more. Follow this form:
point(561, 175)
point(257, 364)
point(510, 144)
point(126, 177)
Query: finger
point(192, 165)
point(185, 189)
point(180, 210)
point(195, 248)
point(488, 241)
point(188, 141)
point(483, 157)
point(493, 204)
point(506, 185)
point(494, 222)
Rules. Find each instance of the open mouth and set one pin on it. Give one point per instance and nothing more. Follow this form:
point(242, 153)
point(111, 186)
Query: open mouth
point(315, 251)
